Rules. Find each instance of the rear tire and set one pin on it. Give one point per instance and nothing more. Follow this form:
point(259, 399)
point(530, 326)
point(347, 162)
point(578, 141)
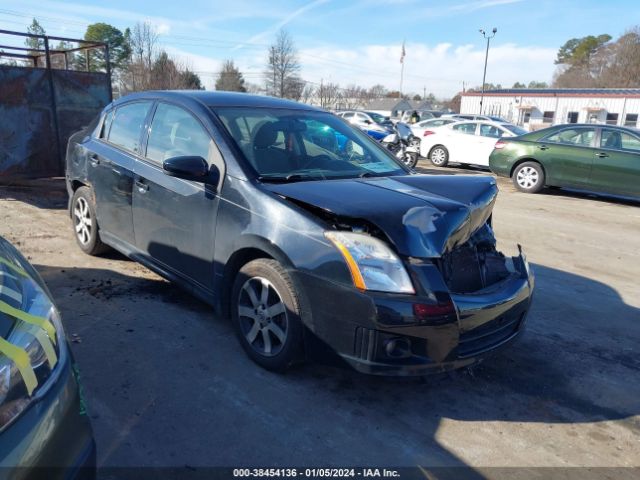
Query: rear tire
point(528, 177)
point(439, 156)
point(268, 322)
point(85, 223)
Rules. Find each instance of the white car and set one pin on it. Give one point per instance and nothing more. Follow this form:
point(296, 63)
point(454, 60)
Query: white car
point(420, 128)
point(469, 142)
point(364, 120)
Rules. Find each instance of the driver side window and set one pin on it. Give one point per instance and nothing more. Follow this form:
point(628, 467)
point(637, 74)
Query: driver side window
point(175, 132)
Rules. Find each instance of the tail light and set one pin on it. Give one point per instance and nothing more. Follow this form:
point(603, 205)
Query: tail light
point(500, 144)
point(427, 133)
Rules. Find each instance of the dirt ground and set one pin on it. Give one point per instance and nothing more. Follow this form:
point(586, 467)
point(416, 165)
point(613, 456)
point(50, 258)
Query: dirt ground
point(168, 385)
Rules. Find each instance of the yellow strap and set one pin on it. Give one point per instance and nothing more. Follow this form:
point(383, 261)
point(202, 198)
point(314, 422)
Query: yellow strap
point(21, 358)
point(16, 268)
point(41, 322)
point(46, 345)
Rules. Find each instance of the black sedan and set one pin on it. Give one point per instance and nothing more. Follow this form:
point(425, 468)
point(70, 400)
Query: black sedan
point(44, 428)
point(301, 228)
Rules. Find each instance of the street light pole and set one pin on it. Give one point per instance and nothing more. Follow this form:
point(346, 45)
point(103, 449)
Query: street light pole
point(486, 57)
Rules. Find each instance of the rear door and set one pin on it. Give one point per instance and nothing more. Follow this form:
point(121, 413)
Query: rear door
point(616, 164)
point(487, 137)
point(175, 219)
point(111, 165)
point(461, 142)
point(567, 156)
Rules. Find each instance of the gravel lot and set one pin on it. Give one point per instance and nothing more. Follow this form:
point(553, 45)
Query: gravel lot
point(168, 385)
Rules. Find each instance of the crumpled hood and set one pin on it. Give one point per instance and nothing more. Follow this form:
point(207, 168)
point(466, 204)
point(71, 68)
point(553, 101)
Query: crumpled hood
point(423, 215)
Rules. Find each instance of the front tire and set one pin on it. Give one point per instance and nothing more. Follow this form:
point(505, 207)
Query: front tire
point(439, 156)
point(266, 314)
point(528, 177)
point(410, 159)
point(85, 223)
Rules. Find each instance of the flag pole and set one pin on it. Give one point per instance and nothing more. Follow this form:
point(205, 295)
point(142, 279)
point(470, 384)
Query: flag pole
point(401, 70)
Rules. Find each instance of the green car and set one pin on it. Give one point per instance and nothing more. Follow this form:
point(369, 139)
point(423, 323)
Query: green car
point(598, 158)
point(44, 428)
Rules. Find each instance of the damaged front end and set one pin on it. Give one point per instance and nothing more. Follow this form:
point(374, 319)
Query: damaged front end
point(468, 298)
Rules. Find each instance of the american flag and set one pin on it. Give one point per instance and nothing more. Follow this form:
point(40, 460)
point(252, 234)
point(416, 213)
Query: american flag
point(402, 54)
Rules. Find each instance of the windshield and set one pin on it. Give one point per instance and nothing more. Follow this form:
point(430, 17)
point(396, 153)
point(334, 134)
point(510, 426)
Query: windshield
point(514, 129)
point(293, 145)
point(376, 117)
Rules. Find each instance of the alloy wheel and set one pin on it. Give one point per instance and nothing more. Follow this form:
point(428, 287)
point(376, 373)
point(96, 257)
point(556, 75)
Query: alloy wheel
point(527, 177)
point(82, 220)
point(263, 316)
point(438, 156)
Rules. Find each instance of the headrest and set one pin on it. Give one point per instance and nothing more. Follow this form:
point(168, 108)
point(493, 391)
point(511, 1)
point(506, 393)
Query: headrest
point(266, 135)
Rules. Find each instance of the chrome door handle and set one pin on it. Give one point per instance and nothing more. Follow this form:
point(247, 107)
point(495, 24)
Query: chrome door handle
point(94, 159)
point(543, 147)
point(602, 154)
point(142, 187)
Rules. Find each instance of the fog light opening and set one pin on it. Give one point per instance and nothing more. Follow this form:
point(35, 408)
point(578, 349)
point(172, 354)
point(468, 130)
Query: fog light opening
point(398, 347)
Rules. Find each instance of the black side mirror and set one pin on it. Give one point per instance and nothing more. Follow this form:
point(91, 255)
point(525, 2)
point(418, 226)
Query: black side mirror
point(367, 122)
point(191, 168)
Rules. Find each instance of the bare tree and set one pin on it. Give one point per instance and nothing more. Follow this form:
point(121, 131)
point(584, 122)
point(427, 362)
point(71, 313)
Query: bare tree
point(281, 74)
point(354, 96)
point(308, 93)
point(151, 68)
point(328, 94)
point(143, 45)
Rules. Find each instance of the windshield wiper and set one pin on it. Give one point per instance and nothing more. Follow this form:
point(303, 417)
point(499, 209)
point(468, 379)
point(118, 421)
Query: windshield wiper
point(293, 177)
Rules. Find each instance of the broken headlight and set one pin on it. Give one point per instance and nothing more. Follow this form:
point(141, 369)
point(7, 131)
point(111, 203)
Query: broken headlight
point(373, 265)
point(32, 345)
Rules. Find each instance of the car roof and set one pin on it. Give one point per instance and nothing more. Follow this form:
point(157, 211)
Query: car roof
point(218, 99)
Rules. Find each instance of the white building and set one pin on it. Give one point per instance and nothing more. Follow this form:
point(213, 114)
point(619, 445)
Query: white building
point(537, 108)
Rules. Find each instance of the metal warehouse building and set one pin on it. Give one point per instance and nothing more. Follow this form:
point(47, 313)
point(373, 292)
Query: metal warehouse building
point(537, 108)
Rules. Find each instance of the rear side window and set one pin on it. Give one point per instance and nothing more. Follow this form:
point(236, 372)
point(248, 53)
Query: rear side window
point(573, 136)
point(490, 131)
point(127, 125)
point(619, 140)
point(348, 115)
point(468, 128)
point(175, 133)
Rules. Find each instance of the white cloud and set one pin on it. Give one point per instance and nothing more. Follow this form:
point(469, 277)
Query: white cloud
point(439, 68)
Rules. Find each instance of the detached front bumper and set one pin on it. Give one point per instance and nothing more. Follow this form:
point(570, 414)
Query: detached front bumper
point(432, 331)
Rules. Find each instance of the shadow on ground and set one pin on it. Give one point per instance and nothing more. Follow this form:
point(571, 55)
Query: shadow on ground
point(168, 385)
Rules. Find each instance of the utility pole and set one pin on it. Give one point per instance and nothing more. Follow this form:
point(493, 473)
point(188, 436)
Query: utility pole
point(486, 57)
point(424, 92)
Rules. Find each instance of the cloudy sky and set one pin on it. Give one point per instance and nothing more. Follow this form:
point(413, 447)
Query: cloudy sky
point(357, 41)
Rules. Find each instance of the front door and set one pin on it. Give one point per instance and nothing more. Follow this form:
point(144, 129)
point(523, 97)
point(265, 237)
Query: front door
point(568, 156)
point(111, 164)
point(616, 164)
point(175, 219)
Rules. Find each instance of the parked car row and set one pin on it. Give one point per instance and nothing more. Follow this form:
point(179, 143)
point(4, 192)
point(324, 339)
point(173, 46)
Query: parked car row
point(597, 158)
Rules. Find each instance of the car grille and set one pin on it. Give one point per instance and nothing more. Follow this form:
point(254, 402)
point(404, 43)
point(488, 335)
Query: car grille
point(490, 335)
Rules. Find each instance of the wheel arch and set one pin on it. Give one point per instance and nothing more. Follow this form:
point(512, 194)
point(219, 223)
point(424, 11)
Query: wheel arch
point(248, 248)
point(522, 160)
